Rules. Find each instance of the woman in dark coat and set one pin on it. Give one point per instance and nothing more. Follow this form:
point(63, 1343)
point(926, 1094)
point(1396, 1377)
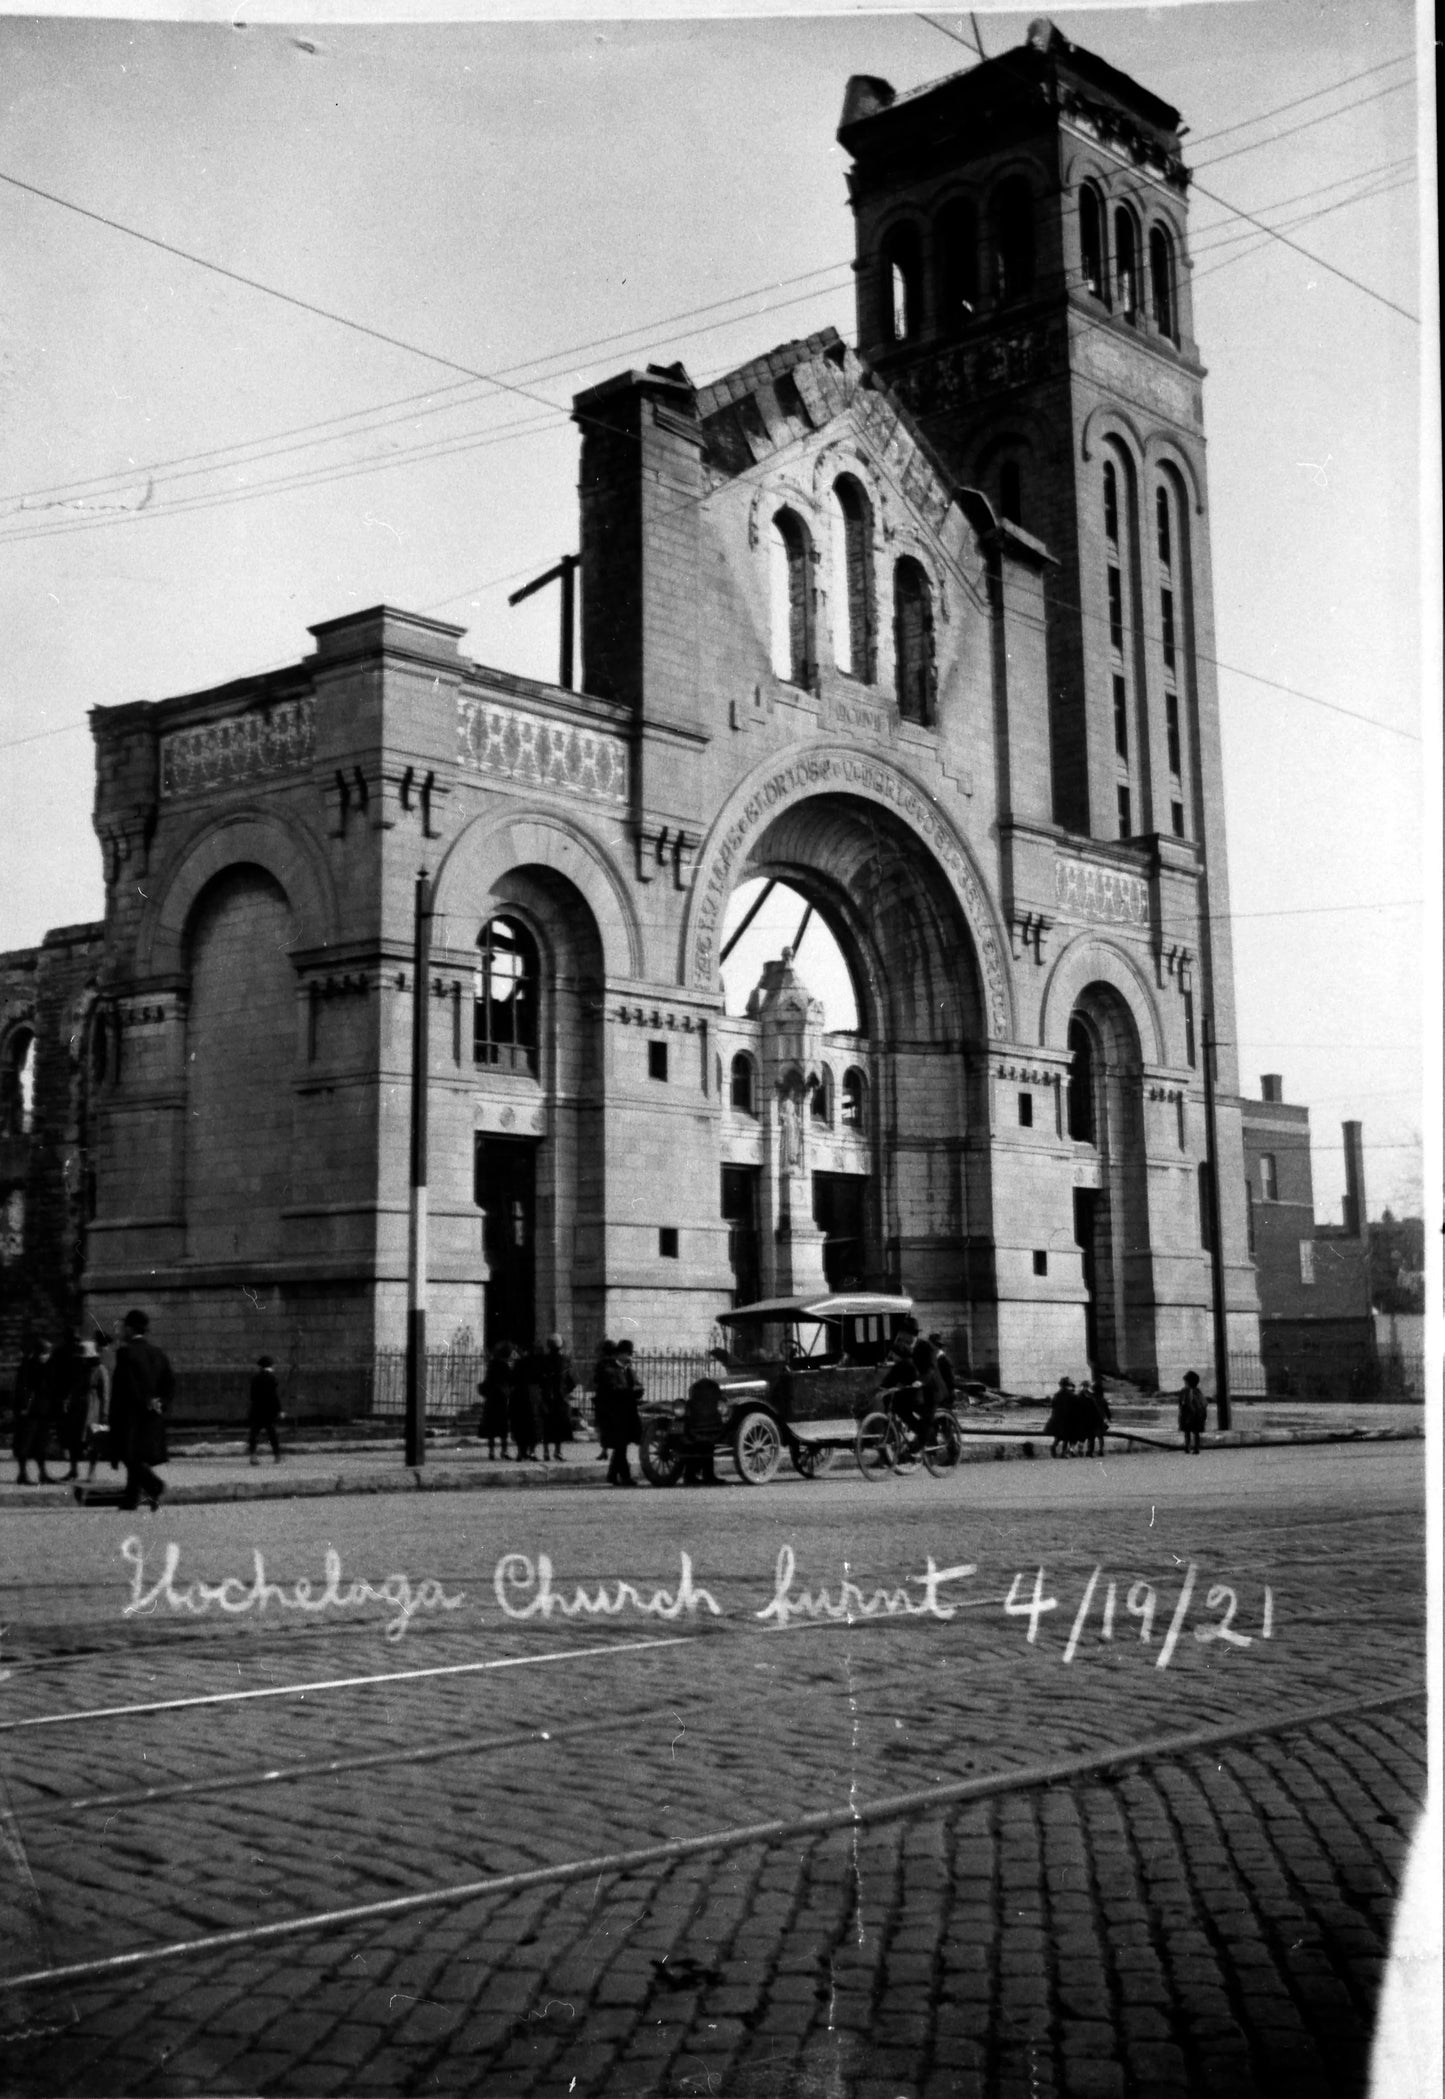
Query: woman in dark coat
point(496, 1391)
point(624, 1419)
point(522, 1402)
point(557, 1382)
point(1059, 1427)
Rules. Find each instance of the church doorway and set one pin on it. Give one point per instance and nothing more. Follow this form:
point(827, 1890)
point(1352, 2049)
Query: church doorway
point(740, 1213)
point(1086, 1208)
point(506, 1191)
point(839, 1211)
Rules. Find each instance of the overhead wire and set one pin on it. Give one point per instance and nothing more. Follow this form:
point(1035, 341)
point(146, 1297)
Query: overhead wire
point(650, 330)
point(440, 448)
point(1325, 117)
point(502, 380)
point(556, 416)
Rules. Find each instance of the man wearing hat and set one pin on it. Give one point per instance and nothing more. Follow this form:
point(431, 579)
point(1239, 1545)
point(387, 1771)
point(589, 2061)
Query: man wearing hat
point(140, 1392)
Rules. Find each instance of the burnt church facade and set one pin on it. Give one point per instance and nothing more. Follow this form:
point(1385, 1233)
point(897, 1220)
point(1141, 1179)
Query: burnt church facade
point(924, 632)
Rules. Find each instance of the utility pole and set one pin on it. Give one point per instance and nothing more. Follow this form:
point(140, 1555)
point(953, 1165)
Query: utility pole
point(1216, 1236)
point(416, 1253)
point(564, 573)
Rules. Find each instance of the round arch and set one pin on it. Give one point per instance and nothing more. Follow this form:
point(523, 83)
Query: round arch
point(1162, 454)
point(1089, 960)
point(491, 845)
point(252, 838)
point(1106, 421)
point(809, 773)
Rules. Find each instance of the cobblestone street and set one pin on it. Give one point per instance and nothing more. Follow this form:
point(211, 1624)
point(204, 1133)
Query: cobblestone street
point(1115, 1803)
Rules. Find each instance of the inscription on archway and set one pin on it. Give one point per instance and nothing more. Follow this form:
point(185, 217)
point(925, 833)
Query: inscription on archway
point(816, 772)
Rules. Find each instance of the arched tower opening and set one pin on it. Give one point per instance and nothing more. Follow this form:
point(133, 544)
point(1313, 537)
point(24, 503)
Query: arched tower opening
point(1104, 1121)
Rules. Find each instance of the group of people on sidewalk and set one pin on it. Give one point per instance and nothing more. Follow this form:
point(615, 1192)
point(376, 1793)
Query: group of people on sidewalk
point(1079, 1417)
point(66, 1395)
point(526, 1396)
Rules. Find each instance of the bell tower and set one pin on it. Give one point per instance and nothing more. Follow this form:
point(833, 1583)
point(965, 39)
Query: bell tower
point(1023, 287)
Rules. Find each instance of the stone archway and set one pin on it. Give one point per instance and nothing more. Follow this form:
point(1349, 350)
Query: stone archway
point(870, 854)
point(846, 778)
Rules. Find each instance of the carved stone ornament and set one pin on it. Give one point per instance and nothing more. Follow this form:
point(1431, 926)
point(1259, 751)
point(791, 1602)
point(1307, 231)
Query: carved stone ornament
point(512, 743)
point(279, 739)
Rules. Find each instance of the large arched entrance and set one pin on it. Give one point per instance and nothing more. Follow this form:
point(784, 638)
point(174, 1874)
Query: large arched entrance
point(856, 1145)
point(1104, 1120)
point(538, 1152)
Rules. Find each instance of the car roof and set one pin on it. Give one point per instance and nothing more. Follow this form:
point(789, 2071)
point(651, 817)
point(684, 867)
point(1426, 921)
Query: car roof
point(841, 1304)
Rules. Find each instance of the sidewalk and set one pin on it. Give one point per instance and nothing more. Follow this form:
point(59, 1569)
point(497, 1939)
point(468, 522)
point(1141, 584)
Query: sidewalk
point(217, 1470)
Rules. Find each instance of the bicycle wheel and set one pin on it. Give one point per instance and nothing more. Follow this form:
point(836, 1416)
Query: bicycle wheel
point(876, 1447)
point(943, 1451)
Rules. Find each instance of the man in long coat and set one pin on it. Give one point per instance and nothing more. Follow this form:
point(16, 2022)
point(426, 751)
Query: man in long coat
point(141, 1390)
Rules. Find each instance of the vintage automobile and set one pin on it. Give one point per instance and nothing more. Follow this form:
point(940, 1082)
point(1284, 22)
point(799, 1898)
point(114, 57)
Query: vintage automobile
point(795, 1374)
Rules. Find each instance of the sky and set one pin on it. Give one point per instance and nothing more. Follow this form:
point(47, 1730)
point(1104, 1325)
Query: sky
point(193, 471)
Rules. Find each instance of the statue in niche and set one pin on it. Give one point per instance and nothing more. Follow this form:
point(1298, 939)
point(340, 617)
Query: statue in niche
point(790, 1120)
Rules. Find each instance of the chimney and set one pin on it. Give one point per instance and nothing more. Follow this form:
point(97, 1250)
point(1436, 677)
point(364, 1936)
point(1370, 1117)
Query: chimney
point(641, 484)
point(1354, 1179)
point(1272, 1086)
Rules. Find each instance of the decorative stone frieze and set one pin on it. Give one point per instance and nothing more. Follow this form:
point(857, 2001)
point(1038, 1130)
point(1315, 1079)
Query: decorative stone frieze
point(1108, 895)
point(512, 743)
point(240, 748)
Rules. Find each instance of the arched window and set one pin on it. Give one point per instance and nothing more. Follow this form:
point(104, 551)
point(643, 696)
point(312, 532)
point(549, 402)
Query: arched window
point(1010, 492)
point(1111, 503)
point(1091, 240)
point(742, 1084)
point(902, 285)
point(1013, 238)
point(821, 1102)
point(99, 1046)
point(1161, 519)
point(1126, 263)
point(791, 565)
point(852, 521)
point(852, 1112)
point(1081, 1084)
point(913, 641)
point(504, 1021)
point(1161, 281)
point(955, 243)
point(17, 1085)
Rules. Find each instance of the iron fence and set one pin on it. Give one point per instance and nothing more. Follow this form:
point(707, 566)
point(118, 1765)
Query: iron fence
point(452, 1378)
point(1396, 1374)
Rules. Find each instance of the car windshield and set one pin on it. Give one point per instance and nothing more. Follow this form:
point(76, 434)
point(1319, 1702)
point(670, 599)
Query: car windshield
point(779, 1340)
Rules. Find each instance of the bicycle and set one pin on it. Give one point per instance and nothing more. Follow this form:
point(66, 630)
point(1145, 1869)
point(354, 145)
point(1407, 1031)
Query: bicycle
point(884, 1444)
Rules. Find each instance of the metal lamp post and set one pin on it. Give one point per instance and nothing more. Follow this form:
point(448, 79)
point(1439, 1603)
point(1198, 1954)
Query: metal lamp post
point(416, 1250)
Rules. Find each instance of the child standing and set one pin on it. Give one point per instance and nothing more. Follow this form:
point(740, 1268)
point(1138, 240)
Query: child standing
point(1193, 1412)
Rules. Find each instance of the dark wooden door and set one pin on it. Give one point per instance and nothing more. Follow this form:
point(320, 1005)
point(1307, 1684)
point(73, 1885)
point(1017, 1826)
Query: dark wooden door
point(507, 1191)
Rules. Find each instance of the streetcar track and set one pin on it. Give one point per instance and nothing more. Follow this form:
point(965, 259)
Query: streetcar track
point(1093, 1765)
point(341, 1683)
point(515, 1738)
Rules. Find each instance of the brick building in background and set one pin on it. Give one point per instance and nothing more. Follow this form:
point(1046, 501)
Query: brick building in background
point(1316, 1322)
point(924, 632)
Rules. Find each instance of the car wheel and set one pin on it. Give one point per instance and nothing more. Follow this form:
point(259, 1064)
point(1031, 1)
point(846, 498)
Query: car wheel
point(660, 1452)
point(811, 1459)
point(757, 1447)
